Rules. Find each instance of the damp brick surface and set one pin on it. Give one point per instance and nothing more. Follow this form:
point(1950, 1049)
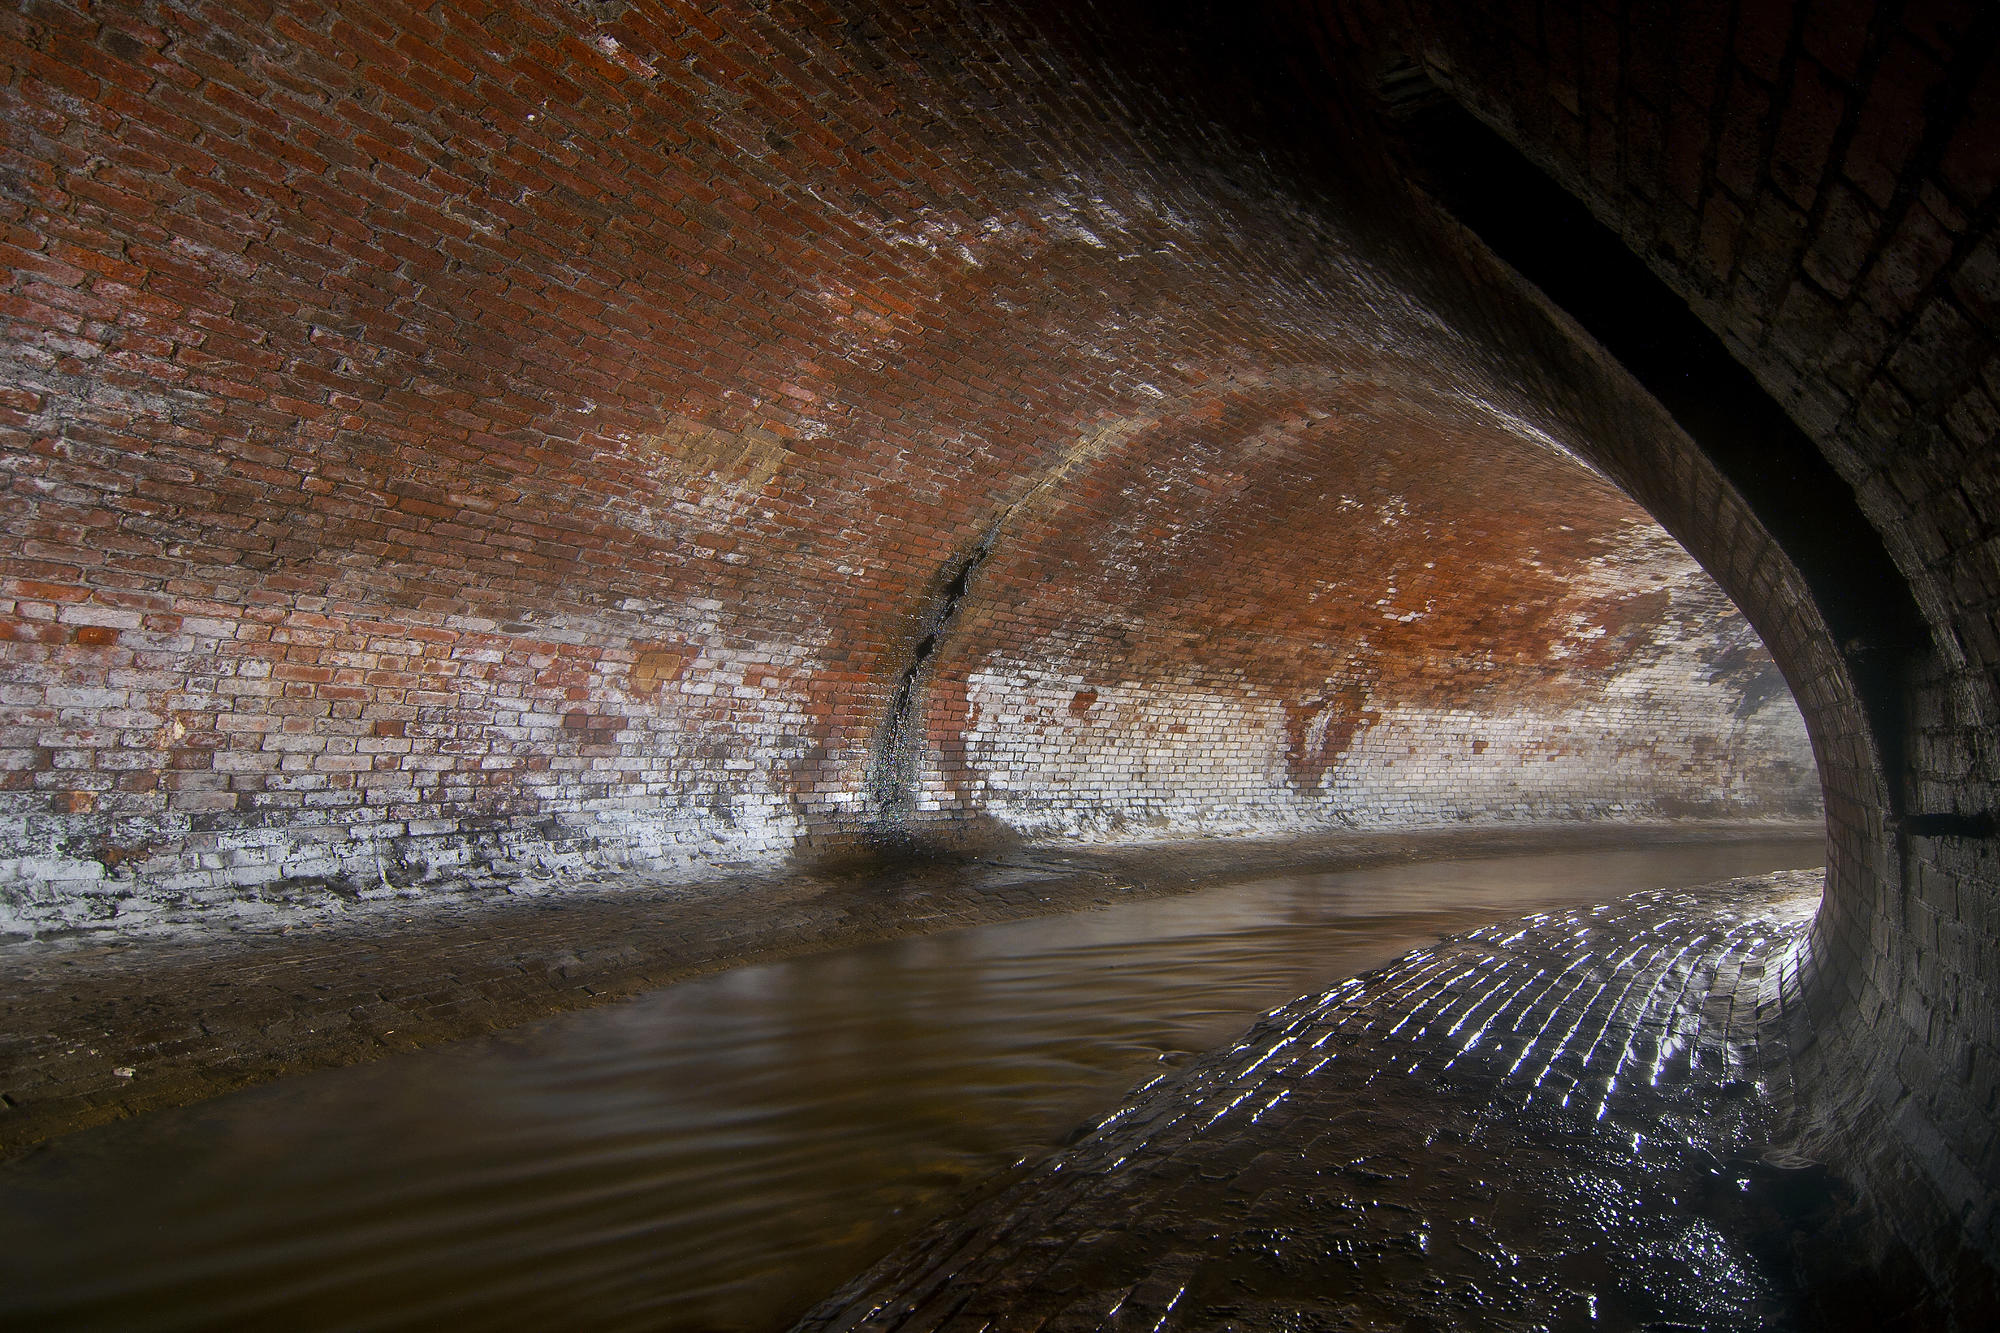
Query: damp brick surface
point(1510, 1129)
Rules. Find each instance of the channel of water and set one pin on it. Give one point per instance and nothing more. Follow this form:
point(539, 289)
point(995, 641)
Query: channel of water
point(720, 1154)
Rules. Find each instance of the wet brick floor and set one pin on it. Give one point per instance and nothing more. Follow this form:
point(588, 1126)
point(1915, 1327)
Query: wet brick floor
point(1528, 1126)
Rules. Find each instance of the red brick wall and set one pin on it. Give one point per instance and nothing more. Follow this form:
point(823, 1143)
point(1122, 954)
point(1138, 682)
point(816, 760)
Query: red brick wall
point(457, 442)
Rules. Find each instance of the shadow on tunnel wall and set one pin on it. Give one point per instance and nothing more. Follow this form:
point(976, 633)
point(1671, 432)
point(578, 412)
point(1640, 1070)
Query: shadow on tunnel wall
point(1542, 201)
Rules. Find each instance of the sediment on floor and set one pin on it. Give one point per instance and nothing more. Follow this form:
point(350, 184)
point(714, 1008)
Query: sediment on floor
point(103, 1029)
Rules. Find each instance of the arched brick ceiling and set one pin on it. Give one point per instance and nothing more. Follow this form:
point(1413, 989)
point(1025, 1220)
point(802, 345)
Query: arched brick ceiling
point(526, 438)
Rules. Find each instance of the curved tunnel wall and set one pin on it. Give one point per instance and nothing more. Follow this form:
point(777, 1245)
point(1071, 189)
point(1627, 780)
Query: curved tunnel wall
point(446, 445)
point(1817, 184)
point(446, 442)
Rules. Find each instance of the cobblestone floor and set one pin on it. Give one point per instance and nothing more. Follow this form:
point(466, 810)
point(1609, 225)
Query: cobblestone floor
point(99, 1028)
point(1531, 1125)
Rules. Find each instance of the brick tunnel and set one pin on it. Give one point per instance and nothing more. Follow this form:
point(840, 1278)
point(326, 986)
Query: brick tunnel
point(453, 445)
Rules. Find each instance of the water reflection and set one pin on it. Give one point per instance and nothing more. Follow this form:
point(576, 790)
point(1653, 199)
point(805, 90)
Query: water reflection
point(722, 1153)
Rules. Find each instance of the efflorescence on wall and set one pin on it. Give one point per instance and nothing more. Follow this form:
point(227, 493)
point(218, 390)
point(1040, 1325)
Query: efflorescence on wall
point(1623, 685)
point(449, 447)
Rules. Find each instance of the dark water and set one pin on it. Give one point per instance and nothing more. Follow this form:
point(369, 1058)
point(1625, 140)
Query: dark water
point(723, 1153)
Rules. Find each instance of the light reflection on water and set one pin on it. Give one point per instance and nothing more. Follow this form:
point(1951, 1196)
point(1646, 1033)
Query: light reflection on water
point(722, 1153)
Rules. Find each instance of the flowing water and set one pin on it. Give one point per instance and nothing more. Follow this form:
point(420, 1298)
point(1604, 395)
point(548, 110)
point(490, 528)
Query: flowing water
point(722, 1153)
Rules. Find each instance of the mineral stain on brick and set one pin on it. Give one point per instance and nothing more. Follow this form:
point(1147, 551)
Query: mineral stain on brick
point(655, 667)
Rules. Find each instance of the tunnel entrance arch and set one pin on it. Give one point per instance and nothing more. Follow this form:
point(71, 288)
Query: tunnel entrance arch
point(1815, 527)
